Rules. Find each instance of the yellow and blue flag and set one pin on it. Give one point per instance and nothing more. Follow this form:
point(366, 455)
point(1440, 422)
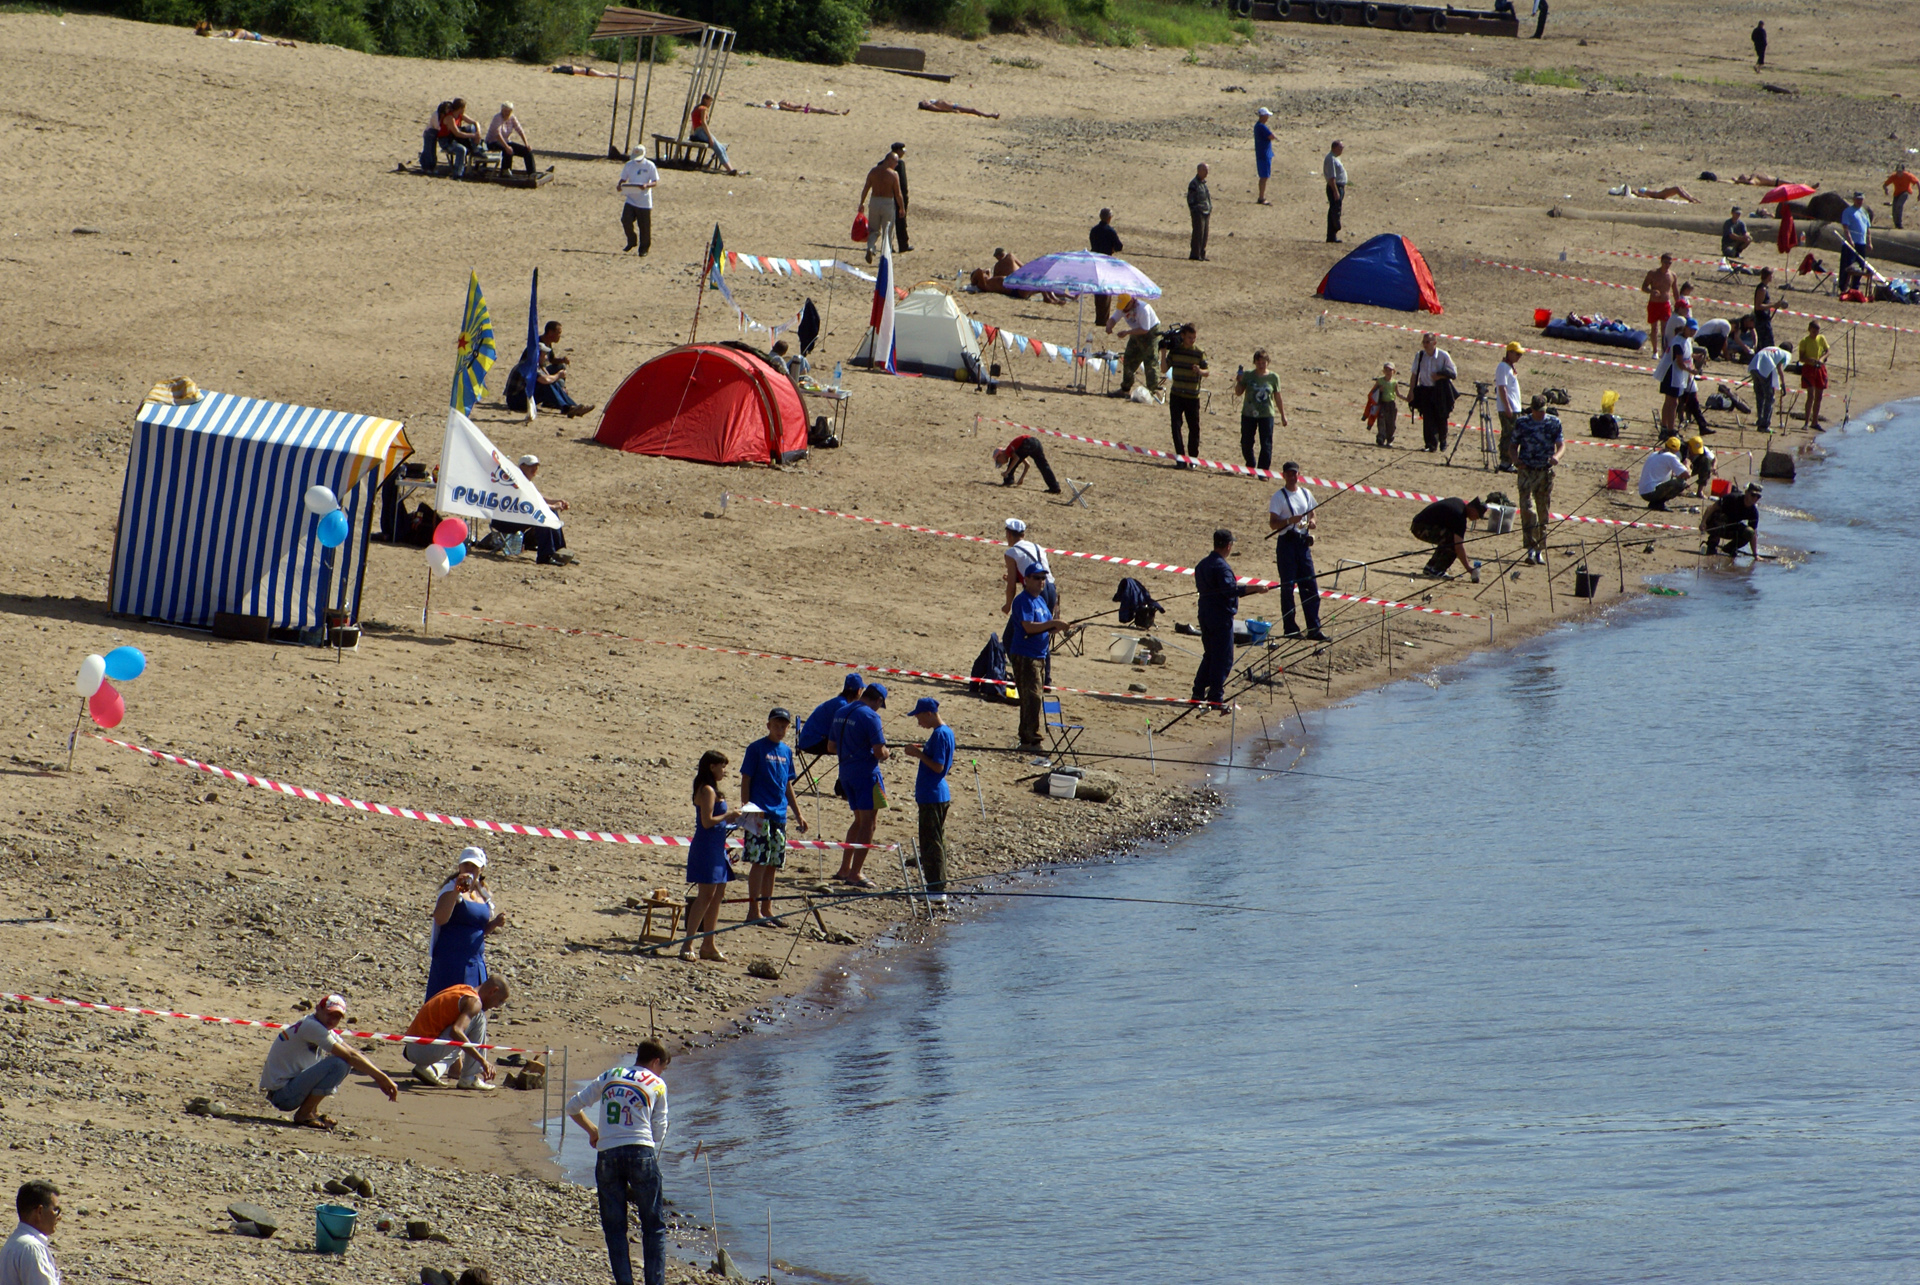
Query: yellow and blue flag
point(476, 353)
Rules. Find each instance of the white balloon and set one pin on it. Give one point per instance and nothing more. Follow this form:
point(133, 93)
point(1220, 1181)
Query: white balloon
point(93, 672)
point(437, 560)
point(321, 501)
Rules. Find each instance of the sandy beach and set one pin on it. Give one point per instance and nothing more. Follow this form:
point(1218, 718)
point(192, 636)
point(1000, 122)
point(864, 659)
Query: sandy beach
point(231, 212)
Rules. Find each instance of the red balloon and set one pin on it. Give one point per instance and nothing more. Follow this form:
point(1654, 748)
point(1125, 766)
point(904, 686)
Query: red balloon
point(107, 706)
point(450, 532)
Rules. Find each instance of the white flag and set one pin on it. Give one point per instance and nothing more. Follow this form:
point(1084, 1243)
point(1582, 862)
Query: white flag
point(476, 481)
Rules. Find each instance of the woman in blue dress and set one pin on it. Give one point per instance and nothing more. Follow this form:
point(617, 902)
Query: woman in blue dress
point(707, 865)
point(1263, 151)
point(462, 918)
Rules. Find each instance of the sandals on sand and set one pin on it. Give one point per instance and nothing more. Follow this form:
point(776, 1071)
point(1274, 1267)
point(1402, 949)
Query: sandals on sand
point(325, 1123)
point(713, 957)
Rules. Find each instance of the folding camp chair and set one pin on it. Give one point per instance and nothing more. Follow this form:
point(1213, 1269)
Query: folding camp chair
point(1731, 270)
point(1076, 491)
point(1825, 280)
point(1062, 733)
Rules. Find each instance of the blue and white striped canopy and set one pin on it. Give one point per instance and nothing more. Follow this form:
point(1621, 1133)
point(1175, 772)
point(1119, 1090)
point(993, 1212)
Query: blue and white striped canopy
point(212, 516)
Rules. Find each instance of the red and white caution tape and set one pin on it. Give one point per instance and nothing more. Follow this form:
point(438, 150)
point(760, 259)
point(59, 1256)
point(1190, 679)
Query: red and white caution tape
point(1381, 491)
point(436, 818)
point(57, 1002)
point(1725, 303)
point(851, 665)
point(1489, 343)
point(1136, 563)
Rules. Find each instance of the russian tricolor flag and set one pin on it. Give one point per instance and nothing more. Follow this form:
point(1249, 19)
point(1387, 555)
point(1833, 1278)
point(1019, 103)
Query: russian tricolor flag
point(882, 320)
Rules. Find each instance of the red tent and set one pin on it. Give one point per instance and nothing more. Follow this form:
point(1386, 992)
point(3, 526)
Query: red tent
point(708, 403)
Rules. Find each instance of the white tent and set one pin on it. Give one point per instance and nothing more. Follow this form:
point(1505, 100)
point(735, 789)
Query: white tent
point(931, 337)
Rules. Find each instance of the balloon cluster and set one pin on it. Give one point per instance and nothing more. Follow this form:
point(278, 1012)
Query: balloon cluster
point(323, 504)
point(104, 704)
point(449, 547)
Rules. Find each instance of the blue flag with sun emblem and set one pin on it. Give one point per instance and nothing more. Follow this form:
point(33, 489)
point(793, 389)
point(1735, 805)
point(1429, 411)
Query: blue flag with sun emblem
point(475, 356)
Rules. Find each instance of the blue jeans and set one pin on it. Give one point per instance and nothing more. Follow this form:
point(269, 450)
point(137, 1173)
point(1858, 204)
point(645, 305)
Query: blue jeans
point(719, 149)
point(553, 396)
point(632, 1174)
point(323, 1077)
point(1763, 402)
point(1295, 561)
point(428, 142)
point(457, 152)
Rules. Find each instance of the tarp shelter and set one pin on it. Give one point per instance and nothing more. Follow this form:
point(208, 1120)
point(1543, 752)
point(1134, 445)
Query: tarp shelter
point(1386, 272)
point(618, 23)
point(213, 515)
point(931, 336)
point(711, 403)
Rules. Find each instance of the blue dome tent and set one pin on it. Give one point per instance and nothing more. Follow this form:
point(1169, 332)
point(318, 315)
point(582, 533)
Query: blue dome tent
point(1386, 272)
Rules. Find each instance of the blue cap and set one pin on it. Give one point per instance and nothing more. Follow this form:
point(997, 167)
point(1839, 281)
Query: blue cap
point(881, 689)
point(926, 705)
point(853, 684)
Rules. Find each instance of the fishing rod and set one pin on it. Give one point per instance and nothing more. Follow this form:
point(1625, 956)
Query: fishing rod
point(1344, 489)
point(1102, 756)
point(1172, 597)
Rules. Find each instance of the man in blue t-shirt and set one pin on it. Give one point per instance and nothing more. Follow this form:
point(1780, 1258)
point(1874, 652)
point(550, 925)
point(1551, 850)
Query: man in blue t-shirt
point(1855, 241)
point(861, 743)
point(1032, 626)
point(818, 729)
point(766, 782)
point(930, 792)
point(1263, 151)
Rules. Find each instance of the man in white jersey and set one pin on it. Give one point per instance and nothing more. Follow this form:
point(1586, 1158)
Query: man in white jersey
point(627, 1127)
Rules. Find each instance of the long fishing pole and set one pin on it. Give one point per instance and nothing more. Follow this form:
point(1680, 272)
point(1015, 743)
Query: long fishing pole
point(1102, 756)
point(1346, 488)
point(1172, 597)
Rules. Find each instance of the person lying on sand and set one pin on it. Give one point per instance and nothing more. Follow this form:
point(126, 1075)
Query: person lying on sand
point(784, 106)
point(205, 28)
point(1765, 180)
point(576, 69)
point(1674, 193)
point(1004, 266)
point(942, 105)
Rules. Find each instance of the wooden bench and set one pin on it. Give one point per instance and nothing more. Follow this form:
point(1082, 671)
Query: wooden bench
point(682, 154)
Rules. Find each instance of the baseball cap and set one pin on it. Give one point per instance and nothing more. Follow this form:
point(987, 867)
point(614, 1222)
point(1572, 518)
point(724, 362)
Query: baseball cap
point(1753, 488)
point(1289, 467)
point(1671, 444)
point(528, 461)
point(1264, 111)
point(853, 683)
point(1016, 526)
point(475, 857)
point(881, 688)
point(1537, 402)
point(780, 712)
point(1513, 346)
point(1034, 571)
point(926, 705)
point(332, 1004)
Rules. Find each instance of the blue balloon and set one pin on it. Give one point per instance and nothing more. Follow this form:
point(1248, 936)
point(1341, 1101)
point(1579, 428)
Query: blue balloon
point(124, 664)
point(456, 555)
point(333, 530)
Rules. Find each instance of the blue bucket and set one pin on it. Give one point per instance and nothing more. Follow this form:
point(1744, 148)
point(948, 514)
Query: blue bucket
point(333, 1228)
point(1257, 630)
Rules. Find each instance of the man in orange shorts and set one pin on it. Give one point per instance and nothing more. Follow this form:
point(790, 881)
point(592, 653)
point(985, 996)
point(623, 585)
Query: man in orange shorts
point(1659, 286)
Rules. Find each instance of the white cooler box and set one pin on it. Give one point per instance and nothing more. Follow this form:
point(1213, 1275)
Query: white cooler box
point(1500, 518)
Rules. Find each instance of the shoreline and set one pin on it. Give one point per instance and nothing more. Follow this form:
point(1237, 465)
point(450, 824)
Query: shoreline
point(131, 880)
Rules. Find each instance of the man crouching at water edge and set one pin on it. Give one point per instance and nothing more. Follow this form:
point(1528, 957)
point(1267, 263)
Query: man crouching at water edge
point(628, 1128)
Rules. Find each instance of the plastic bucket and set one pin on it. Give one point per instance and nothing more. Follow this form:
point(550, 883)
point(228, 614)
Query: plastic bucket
point(1541, 316)
point(1257, 630)
point(1720, 486)
point(1616, 479)
point(333, 1228)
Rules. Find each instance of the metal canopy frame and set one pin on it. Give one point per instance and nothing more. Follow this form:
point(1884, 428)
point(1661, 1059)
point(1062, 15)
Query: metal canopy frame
point(619, 24)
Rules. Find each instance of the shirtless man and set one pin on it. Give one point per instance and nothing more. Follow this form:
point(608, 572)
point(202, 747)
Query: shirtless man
point(1659, 286)
point(888, 200)
point(942, 105)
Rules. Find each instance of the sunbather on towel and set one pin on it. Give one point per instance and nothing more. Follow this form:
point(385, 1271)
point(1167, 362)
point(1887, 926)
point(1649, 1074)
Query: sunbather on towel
point(808, 108)
point(942, 105)
point(1674, 193)
point(1004, 266)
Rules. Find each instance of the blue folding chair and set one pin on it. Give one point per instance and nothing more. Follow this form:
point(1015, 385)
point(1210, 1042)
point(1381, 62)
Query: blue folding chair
point(1062, 733)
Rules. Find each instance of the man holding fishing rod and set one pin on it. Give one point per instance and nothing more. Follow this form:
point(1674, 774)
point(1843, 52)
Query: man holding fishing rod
point(1220, 592)
point(1290, 517)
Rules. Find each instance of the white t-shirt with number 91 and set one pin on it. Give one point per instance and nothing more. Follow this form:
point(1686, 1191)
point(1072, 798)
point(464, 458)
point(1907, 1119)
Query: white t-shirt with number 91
point(628, 1104)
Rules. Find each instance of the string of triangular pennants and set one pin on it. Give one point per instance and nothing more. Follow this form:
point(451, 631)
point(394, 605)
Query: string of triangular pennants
point(780, 268)
point(1039, 348)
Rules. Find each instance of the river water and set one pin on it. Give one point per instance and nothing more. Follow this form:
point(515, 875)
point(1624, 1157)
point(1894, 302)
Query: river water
point(1606, 974)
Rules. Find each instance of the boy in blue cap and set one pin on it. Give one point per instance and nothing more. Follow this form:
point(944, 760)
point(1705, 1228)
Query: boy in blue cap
point(931, 794)
point(861, 743)
point(1032, 625)
point(766, 781)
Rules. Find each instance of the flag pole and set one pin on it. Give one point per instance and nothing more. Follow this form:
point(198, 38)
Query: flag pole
point(706, 270)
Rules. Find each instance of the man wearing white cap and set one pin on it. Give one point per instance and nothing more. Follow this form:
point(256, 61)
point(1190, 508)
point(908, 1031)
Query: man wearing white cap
point(548, 545)
point(308, 1061)
point(1263, 150)
point(638, 178)
point(1021, 554)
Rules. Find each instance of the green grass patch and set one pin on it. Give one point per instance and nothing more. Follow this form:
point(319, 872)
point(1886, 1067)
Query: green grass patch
point(1168, 24)
point(1552, 76)
point(26, 6)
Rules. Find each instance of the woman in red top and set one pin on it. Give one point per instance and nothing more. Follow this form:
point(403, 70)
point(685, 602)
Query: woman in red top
point(700, 134)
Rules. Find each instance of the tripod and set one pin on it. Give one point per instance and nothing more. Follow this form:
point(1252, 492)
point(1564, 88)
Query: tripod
point(1485, 425)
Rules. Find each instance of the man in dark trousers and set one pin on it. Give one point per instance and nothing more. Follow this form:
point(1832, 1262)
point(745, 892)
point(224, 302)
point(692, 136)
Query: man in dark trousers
point(899, 152)
point(932, 795)
point(1200, 208)
point(1735, 519)
point(1540, 15)
point(1334, 170)
point(1220, 592)
point(1013, 458)
point(1443, 524)
point(1290, 513)
point(1760, 44)
point(1027, 653)
point(1102, 239)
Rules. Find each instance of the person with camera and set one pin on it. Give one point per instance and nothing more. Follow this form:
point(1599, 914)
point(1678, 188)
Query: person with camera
point(1290, 517)
point(463, 916)
point(1431, 391)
